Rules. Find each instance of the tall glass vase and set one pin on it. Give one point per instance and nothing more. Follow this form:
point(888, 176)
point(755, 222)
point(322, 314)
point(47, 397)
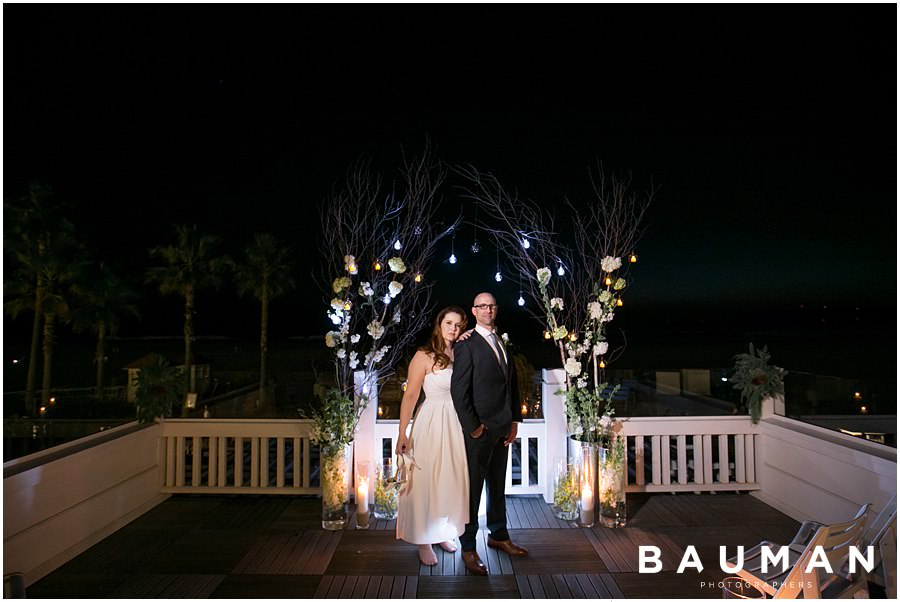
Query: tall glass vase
point(587, 484)
point(385, 491)
point(565, 489)
point(334, 476)
point(612, 482)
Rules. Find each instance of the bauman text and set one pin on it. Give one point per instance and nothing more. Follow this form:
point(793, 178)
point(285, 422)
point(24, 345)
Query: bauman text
point(649, 558)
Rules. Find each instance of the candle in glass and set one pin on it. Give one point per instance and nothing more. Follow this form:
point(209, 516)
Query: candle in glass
point(587, 505)
point(362, 495)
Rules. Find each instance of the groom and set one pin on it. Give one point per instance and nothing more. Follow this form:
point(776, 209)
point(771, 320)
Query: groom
point(483, 390)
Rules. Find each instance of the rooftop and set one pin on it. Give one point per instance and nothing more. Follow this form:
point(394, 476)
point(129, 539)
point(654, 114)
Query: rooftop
point(249, 546)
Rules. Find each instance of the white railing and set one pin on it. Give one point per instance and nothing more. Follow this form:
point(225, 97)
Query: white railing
point(237, 456)
point(525, 466)
point(691, 453)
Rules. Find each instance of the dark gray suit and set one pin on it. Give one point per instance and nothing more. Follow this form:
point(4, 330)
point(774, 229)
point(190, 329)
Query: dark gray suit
point(483, 394)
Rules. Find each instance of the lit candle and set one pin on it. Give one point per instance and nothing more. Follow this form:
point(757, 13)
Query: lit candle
point(587, 505)
point(362, 502)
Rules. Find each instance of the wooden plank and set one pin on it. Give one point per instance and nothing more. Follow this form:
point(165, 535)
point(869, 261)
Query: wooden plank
point(398, 587)
point(537, 589)
point(254, 462)
point(196, 452)
point(656, 459)
point(562, 588)
point(238, 461)
point(698, 459)
point(513, 519)
point(348, 587)
point(723, 459)
point(373, 586)
point(334, 591)
point(223, 462)
point(681, 458)
point(212, 472)
point(359, 589)
point(549, 586)
point(279, 462)
point(170, 461)
point(739, 459)
point(639, 459)
point(295, 476)
point(666, 460)
point(179, 462)
point(264, 461)
point(612, 588)
point(307, 475)
point(384, 591)
point(324, 586)
point(412, 585)
point(749, 452)
point(587, 586)
point(524, 586)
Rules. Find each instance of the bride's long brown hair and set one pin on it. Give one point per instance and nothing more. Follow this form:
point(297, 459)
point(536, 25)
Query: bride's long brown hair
point(436, 347)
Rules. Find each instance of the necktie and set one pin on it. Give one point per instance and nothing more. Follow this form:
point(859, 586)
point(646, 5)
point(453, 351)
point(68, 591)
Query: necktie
point(500, 357)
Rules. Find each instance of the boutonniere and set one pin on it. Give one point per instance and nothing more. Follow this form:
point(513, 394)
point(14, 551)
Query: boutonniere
point(505, 338)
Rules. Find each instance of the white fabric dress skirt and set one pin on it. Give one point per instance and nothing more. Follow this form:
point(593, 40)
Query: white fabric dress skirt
point(435, 506)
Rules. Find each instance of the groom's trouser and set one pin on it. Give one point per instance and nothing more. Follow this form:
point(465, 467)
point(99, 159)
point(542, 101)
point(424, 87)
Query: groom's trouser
point(486, 458)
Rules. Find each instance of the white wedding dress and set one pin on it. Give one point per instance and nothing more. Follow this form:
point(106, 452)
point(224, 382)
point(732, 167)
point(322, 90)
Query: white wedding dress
point(435, 507)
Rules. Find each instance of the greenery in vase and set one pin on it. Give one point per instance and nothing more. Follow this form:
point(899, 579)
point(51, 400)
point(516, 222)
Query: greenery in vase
point(334, 477)
point(385, 492)
point(611, 474)
point(757, 379)
point(565, 493)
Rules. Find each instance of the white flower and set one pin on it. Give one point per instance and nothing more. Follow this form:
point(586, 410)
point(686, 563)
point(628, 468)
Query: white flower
point(394, 289)
point(341, 353)
point(578, 429)
point(331, 338)
point(340, 284)
point(543, 276)
point(375, 329)
point(560, 333)
point(396, 319)
point(556, 303)
point(354, 339)
point(337, 304)
point(609, 317)
point(350, 264)
point(353, 361)
point(505, 337)
point(396, 264)
point(601, 348)
point(605, 296)
point(379, 355)
point(335, 317)
point(595, 309)
point(619, 284)
point(605, 422)
point(573, 367)
point(365, 289)
point(610, 264)
point(581, 383)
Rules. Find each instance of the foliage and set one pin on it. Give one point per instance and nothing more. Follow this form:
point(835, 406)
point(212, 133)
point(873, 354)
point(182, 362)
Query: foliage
point(565, 491)
point(611, 473)
point(385, 492)
point(159, 385)
point(335, 422)
point(756, 379)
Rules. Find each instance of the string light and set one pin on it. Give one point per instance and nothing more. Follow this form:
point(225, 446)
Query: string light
point(397, 245)
point(475, 246)
point(573, 337)
point(377, 265)
point(561, 270)
point(498, 277)
point(619, 302)
point(608, 281)
point(452, 254)
point(521, 301)
point(452, 258)
point(347, 305)
point(547, 334)
point(387, 299)
point(525, 243)
point(418, 277)
point(602, 364)
point(633, 258)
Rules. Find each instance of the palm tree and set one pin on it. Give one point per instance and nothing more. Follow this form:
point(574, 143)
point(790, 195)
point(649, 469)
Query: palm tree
point(103, 299)
point(264, 273)
point(190, 266)
point(158, 386)
point(35, 222)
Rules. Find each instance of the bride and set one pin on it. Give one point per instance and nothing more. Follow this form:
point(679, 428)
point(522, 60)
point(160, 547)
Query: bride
point(434, 508)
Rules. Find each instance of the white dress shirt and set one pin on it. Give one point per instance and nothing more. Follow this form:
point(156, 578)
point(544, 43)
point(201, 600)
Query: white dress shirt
point(484, 332)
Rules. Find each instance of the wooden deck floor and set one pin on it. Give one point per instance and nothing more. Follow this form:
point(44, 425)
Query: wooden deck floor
point(274, 547)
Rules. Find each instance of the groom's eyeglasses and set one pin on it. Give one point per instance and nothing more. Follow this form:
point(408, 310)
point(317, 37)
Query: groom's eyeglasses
point(486, 306)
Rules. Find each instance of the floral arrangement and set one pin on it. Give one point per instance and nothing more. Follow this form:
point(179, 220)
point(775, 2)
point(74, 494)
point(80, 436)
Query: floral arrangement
point(583, 346)
point(385, 494)
point(334, 480)
point(362, 312)
point(565, 492)
point(757, 379)
point(611, 474)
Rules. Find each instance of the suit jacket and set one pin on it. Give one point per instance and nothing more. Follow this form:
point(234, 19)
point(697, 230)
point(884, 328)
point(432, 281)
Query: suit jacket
point(480, 391)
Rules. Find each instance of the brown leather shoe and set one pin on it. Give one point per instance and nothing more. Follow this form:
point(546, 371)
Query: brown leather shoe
point(473, 563)
point(508, 546)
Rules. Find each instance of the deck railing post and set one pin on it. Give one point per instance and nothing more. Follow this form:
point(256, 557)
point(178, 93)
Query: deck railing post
point(555, 423)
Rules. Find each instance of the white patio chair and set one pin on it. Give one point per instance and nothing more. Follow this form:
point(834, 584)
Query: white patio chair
point(793, 582)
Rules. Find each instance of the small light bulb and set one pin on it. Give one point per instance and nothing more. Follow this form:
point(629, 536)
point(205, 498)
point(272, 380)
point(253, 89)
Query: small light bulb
point(525, 243)
point(347, 305)
point(573, 337)
point(404, 384)
point(524, 409)
point(547, 334)
point(387, 299)
point(608, 281)
point(380, 411)
point(619, 302)
point(561, 271)
point(602, 364)
point(498, 276)
point(475, 247)
point(633, 258)
point(397, 245)
point(15, 361)
point(452, 258)
point(377, 266)
point(43, 409)
point(418, 278)
point(521, 300)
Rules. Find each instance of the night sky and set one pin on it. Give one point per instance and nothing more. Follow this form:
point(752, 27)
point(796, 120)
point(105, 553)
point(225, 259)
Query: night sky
point(770, 131)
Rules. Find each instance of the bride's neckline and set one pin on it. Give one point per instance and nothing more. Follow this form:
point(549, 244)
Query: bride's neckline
point(441, 370)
